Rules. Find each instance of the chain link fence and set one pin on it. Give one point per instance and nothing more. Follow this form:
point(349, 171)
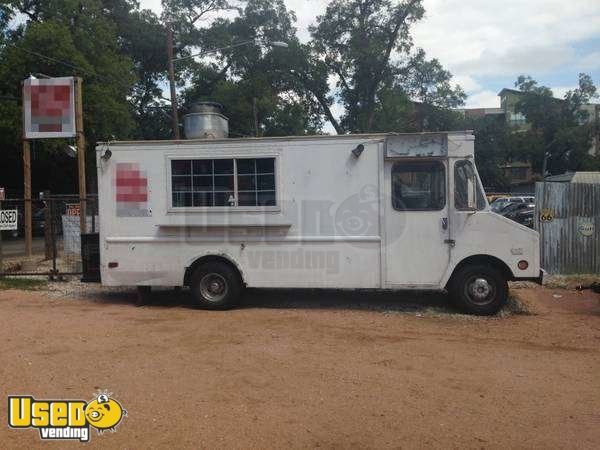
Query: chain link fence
point(55, 248)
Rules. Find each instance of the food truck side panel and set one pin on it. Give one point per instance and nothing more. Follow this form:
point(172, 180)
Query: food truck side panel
point(324, 231)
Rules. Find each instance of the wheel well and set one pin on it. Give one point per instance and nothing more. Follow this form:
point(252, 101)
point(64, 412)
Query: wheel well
point(486, 260)
point(207, 259)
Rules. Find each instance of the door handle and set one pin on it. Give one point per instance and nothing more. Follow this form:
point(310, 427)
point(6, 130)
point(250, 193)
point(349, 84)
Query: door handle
point(450, 242)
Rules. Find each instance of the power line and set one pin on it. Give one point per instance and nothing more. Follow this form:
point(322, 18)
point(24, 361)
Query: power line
point(71, 66)
point(64, 63)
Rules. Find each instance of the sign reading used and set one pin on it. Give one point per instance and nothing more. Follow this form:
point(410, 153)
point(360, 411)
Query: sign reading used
point(65, 419)
point(9, 219)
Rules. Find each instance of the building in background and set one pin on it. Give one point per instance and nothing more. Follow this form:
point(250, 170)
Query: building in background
point(509, 99)
point(477, 113)
point(593, 111)
point(520, 176)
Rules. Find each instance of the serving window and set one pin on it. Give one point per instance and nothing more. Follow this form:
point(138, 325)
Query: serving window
point(227, 182)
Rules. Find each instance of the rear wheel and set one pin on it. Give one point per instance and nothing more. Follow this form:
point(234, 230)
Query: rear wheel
point(479, 289)
point(216, 285)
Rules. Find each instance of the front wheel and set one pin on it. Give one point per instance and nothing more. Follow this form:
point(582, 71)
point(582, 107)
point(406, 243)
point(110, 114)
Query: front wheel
point(479, 290)
point(216, 285)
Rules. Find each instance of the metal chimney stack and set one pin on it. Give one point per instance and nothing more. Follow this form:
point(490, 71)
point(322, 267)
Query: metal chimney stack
point(206, 121)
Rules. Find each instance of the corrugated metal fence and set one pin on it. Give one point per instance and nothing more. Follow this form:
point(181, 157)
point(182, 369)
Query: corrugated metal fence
point(567, 217)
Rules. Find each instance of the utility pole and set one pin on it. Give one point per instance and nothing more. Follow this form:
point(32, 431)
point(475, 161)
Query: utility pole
point(175, 120)
point(80, 153)
point(255, 114)
point(27, 194)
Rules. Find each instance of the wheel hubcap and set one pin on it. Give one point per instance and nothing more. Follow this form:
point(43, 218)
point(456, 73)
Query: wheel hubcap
point(480, 290)
point(213, 287)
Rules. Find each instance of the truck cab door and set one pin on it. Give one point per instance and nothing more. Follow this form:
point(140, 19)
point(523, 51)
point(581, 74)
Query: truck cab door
point(467, 198)
point(416, 244)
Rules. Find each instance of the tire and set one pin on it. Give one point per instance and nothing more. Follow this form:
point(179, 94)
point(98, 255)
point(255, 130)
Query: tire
point(479, 289)
point(216, 285)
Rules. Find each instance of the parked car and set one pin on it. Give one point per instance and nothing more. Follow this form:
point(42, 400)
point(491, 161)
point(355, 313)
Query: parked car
point(510, 207)
point(38, 222)
point(525, 217)
point(501, 202)
point(511, 211)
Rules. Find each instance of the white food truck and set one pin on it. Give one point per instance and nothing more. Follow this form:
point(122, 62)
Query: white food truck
point(373, 211)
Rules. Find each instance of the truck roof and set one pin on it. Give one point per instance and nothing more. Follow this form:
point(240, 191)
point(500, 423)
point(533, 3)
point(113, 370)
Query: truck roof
point(287, 138)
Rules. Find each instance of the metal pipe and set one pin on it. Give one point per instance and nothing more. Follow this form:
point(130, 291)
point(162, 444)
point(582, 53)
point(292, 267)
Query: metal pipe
point(174, 118)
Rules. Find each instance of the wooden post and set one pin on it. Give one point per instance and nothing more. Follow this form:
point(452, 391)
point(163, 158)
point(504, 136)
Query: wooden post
point(80, 153)
point(47, 227)
point(1, 262)
point(27, 195)
point(174, 118)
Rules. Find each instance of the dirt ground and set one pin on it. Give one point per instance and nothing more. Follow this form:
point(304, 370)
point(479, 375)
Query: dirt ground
point(311, 369)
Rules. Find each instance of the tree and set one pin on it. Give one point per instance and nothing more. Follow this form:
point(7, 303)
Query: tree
point(68, 38)
point(492, 137)
point(367, 47)
point(560, 130)
point(142, 37)
point(253, 79)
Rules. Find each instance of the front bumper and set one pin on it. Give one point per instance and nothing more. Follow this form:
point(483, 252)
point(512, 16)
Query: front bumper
point(539, 279)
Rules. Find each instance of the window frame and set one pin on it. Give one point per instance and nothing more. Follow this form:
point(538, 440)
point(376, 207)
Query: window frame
point(438, 162)
point(220, 209)
point(480, 190)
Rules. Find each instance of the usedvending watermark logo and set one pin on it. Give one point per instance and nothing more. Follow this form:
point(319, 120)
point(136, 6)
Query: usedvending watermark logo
point(65, 419)
point(358, 214)
point(301, 259)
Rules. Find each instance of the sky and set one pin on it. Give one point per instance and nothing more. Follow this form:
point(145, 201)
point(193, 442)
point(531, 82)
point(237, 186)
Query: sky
point(487, 44)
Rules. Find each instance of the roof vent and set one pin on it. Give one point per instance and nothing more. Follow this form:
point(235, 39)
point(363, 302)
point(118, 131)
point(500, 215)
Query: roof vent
point(206, 121)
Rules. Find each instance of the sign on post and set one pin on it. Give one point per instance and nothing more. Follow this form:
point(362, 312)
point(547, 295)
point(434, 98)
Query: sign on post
point(72, 209)
point(49, 108)
point(9, 219)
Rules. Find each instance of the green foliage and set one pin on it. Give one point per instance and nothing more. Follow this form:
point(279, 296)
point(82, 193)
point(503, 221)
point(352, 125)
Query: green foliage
point(560, 128)
point(23, 284)
point(107, 43)
point(492, 144)
point(254, 77)
point(366, 45)
point(361, 56)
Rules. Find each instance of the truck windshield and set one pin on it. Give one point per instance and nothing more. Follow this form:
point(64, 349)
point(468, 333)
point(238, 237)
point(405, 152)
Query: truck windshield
point(467, 190)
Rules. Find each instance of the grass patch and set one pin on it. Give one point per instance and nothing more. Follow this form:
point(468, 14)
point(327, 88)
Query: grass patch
point(515, 306)
point(24, 284)
point(570, 281)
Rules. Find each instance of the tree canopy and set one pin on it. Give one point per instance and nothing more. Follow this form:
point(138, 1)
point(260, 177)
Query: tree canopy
point(560, 129)
point(359, 71)
point(360, 58)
